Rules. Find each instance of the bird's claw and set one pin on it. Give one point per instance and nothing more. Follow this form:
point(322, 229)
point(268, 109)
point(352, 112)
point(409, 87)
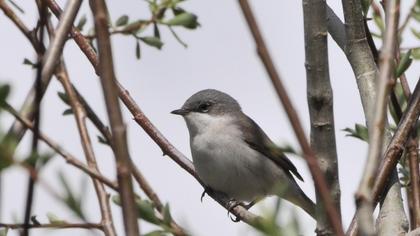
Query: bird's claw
point(232, 204)
point(203, 195)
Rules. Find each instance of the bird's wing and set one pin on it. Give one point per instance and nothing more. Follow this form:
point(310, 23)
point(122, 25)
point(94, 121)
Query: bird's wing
point(255, 137)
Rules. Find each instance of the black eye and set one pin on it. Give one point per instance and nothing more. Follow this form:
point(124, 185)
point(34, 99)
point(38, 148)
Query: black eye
point(204, 107)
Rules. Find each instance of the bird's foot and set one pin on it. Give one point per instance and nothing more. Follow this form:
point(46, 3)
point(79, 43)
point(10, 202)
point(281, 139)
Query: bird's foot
point(231, 205)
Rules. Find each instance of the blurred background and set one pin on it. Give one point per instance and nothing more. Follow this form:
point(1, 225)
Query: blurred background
point(221, 55)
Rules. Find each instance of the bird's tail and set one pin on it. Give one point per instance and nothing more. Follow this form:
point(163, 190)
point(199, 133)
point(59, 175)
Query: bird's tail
point(296, 196)
point(303, 202)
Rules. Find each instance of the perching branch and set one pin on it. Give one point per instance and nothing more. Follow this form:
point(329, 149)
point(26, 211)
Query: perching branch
point(120, 148)
point(309, 155)
point(320, 102)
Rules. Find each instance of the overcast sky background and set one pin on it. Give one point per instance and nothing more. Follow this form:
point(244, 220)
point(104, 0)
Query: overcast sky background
point(220, 55)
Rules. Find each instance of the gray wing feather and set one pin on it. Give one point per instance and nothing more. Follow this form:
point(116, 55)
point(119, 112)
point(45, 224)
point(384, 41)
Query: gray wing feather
point(259, 141)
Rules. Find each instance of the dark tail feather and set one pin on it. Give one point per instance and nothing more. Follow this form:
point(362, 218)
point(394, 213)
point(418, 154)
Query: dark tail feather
point(301, 200)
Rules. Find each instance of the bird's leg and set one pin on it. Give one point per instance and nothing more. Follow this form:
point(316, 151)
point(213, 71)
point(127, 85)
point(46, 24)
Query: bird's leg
point(232, 204)
point(251, 204)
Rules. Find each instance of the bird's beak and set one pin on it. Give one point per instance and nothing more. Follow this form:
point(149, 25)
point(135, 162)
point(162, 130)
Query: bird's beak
point(181, 112)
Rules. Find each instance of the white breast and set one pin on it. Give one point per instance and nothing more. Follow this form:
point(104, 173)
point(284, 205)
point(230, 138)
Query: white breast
point(226, 163)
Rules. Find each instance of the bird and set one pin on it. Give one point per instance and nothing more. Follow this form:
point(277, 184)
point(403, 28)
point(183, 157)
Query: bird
point(234, 156)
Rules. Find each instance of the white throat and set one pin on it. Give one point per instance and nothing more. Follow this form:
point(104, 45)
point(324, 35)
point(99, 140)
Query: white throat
point(200, 123)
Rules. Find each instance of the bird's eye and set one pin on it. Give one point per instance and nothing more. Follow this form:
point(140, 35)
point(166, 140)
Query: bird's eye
point(204, 107)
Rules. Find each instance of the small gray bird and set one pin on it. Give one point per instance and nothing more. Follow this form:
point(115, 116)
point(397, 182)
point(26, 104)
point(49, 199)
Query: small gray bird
point(233, 155)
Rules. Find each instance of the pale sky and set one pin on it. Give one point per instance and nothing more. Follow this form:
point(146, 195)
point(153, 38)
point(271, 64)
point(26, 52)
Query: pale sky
point(221, 55)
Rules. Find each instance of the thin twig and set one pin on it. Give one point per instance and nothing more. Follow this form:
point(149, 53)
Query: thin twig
point(413, 159)
point(36, 110)
point(393, 151)
point(309, 155)
point(407, 18)
point(59, 150)
point(80, 117)
point(53, 226)
point(21, 26)
point(122, 158)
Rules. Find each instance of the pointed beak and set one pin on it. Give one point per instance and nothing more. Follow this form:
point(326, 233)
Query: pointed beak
point(180, 112)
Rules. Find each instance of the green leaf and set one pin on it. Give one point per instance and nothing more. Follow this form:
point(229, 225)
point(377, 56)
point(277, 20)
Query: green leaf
point(177, 37)
point(34, 220)
point(122, 20)
point(152, 41)
point(415, 53)
point(72, 200)
point(146, 211)
point(405, 62)
point(53, 219)
point(63, 96)
point(416, 16)
point(360, 132)
point(3, 232)
point(7, 147)
point(287, 148)
point(138, 54)
point(167, 218)
point(102, 140)
point(4, 93)
point(67, 112)
point(379, 22)
point(156, 233)
point(81, 23)
point(156, 31)
point(28, 62)
point(185, 19)
point(38, 160)
point(365, 6)
point(177, 11)
point(144, 208)
point(415, 33)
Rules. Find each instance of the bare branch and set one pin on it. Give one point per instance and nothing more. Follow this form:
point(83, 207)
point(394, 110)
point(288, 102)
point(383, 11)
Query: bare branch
point(106, 72)
point(320, 102)
point(376, 137)
point(66, 155)
point(393, 151)
point(336, 29)
point(53, 226)
point(80, 117)
point(413, 158)
point(36, 111)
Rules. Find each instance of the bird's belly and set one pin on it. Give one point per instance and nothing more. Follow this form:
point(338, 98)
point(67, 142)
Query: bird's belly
point(229, 165)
